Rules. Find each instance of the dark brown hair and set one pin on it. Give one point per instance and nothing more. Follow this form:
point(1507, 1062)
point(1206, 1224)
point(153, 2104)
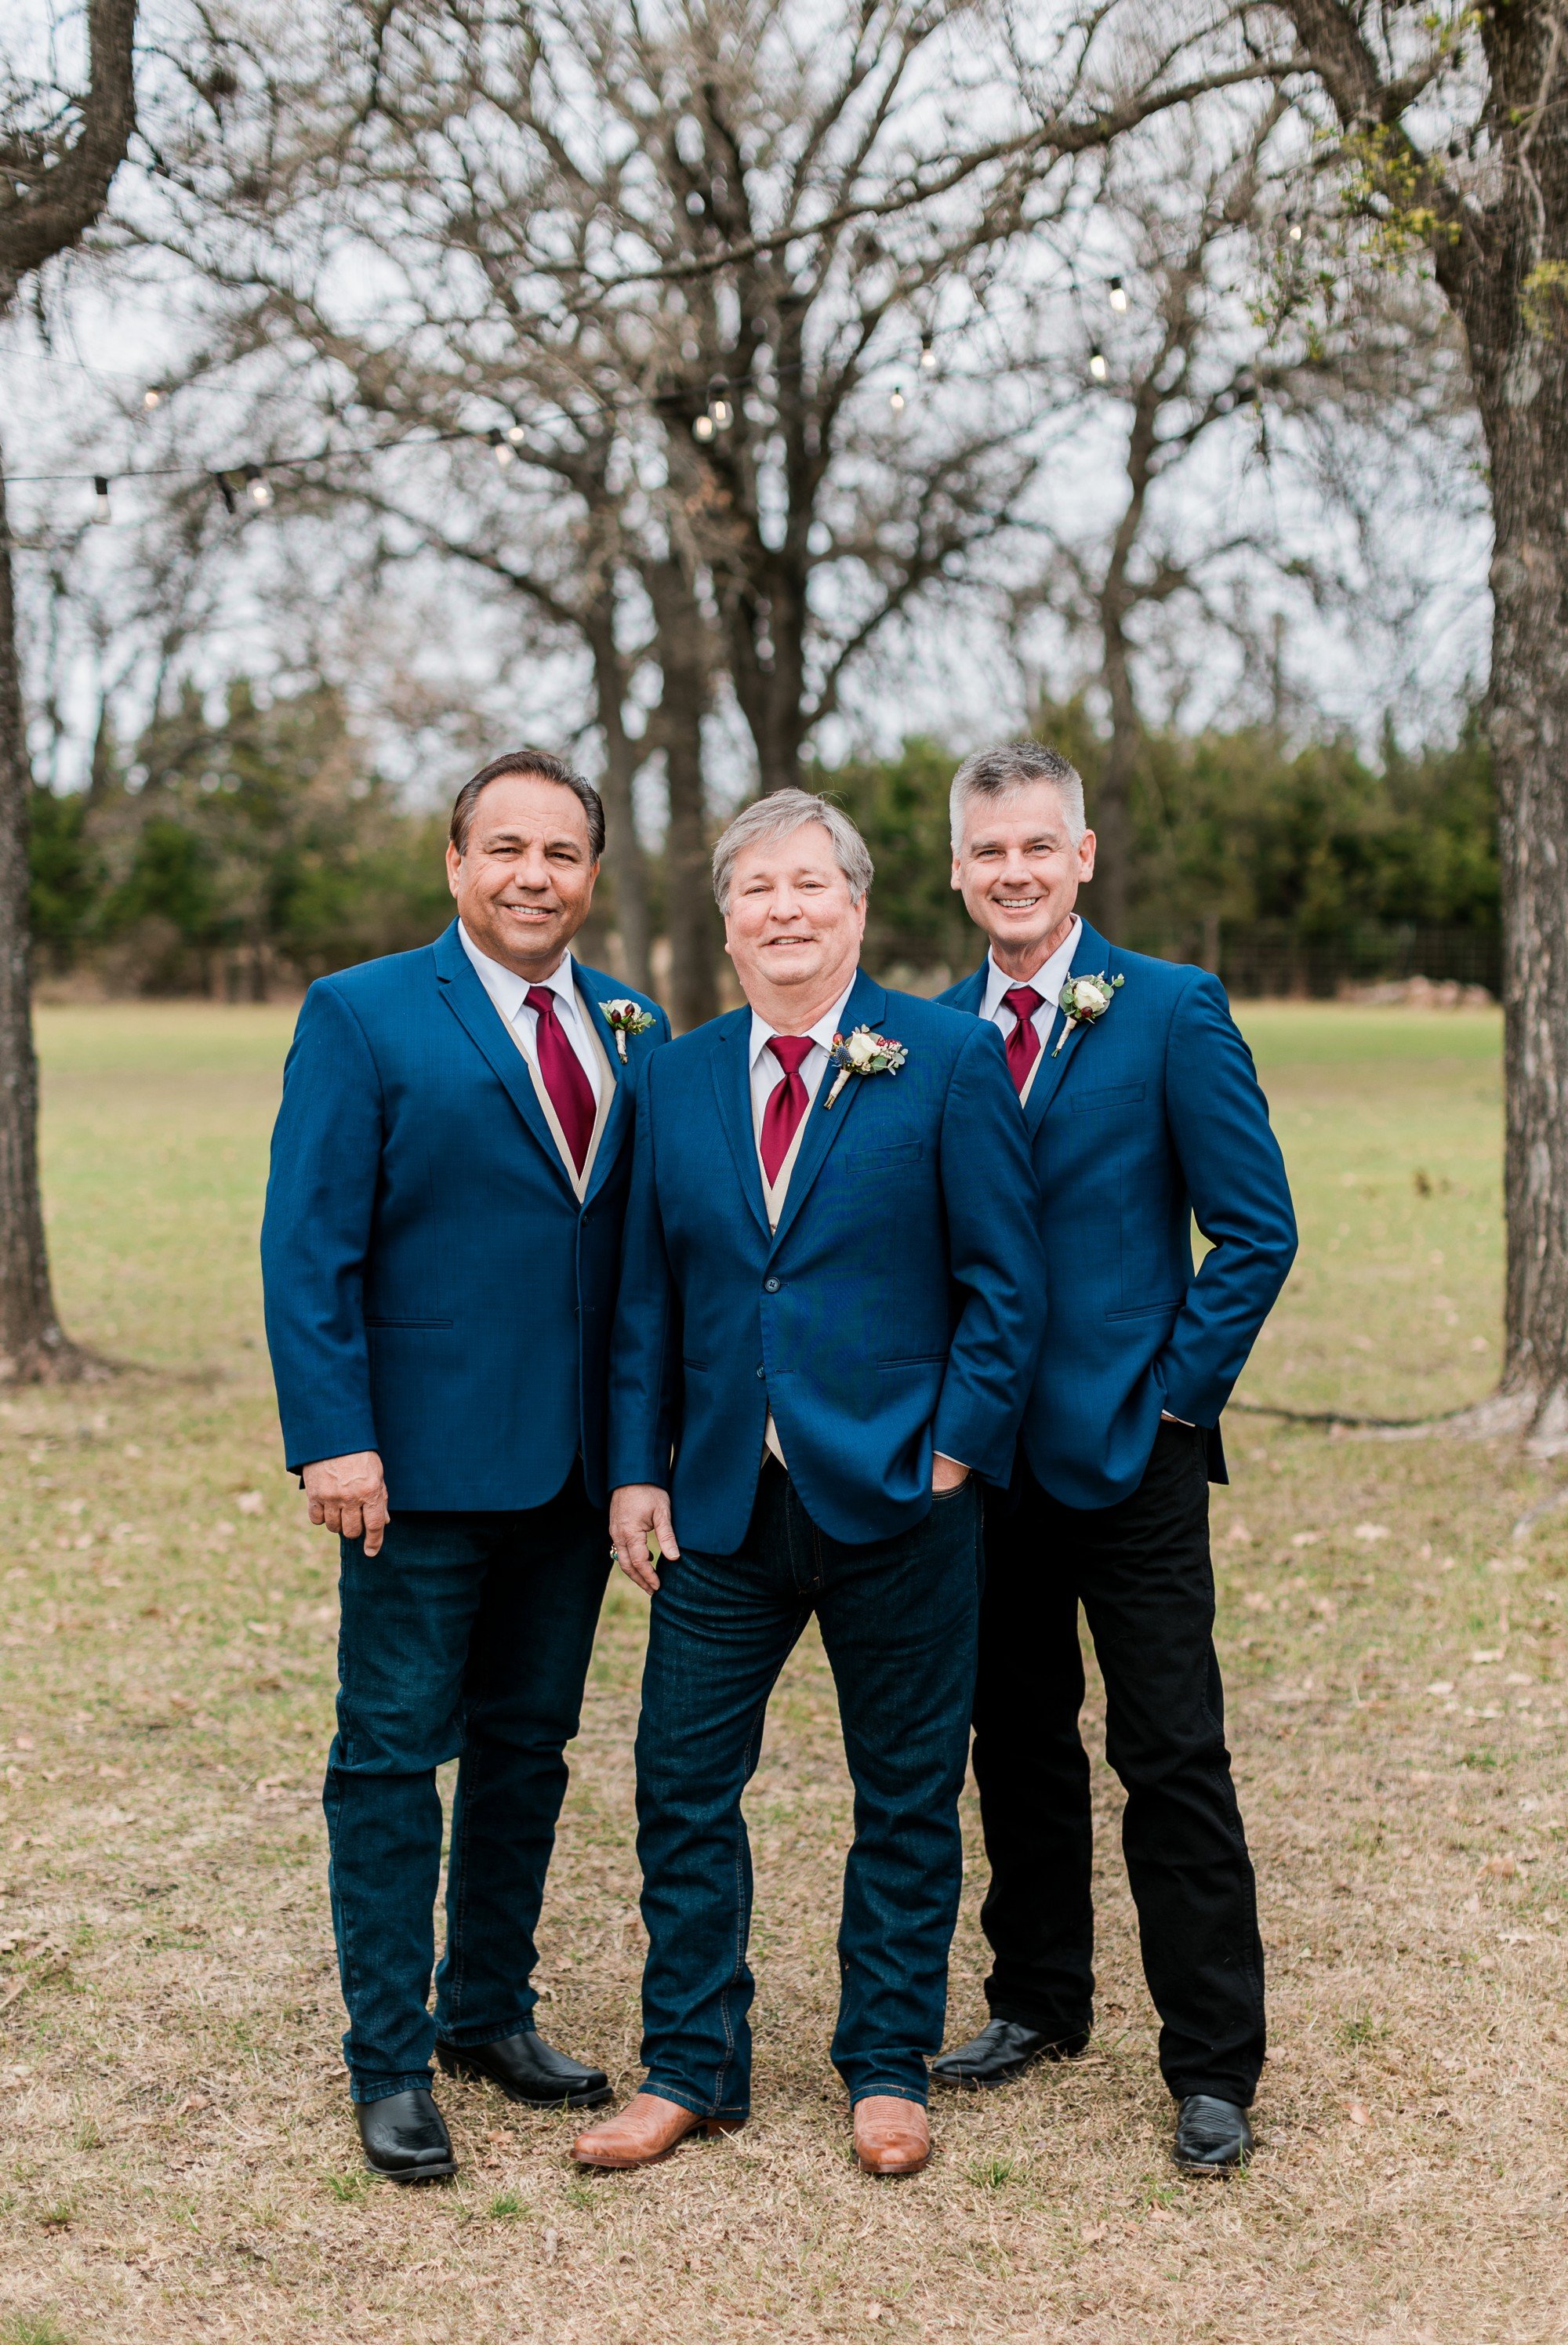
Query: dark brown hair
point(531, 764)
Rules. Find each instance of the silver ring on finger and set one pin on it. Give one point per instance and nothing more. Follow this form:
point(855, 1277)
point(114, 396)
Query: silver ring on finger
point(614, 1555)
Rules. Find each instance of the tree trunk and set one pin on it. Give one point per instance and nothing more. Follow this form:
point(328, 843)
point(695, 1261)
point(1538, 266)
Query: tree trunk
point(692, 917)
point(1522, 381)
point(632, 920)
point(1113, 794)
point(31, 1347)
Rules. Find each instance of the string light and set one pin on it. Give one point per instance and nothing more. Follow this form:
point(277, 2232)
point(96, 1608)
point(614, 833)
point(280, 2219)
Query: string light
point(1118, 295)
point(1295, 231)
point(232, 481)
point(1098, 366)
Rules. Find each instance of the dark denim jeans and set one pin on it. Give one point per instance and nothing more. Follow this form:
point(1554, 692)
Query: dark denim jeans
point(467, 1638)
point(899, 1623)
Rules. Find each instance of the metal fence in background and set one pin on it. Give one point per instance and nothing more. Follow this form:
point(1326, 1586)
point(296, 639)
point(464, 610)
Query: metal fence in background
point(1262, 960)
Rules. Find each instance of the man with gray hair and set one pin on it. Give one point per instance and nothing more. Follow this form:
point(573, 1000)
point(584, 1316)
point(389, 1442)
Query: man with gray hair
point(1142, 1112)
point(829, 1308)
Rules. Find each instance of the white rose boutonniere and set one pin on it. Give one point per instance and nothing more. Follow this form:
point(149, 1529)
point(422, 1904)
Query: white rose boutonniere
point(1082, 999)
point(863, 1053)
point(624, 1018)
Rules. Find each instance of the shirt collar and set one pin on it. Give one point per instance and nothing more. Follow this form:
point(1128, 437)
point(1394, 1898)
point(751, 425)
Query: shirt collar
point(506, 990)
point(822, 1033)
point(1048, 979)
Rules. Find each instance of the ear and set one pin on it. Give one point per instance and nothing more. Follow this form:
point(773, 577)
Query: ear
point(1087, 846)
point(454, 865)
point(955, 881)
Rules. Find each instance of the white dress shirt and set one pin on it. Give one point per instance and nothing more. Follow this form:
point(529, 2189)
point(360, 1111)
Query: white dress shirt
point(509, 994)
point(767, 1074)
point(1047, 983)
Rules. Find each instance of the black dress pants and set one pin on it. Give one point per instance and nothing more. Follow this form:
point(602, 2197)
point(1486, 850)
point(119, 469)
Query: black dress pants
point(1141, 1570)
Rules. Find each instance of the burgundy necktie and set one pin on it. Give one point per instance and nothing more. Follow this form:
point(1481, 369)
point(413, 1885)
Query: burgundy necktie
point(1023, 1042)
point(561, 1072)
point(787, 1101)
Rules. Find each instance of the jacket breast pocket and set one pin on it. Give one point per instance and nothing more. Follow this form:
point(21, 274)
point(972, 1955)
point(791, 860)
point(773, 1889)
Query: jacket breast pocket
point(888, 1151)
point(1116, 1095)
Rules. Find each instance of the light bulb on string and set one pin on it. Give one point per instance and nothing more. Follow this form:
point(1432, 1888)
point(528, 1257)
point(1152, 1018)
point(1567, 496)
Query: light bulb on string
point(1295, 231)
point(516, 434)
point(259, 489)
point(896, 400)
point(1098, 366)
point(101, 498)
point(150, 399)
point(702, 427)
point(927, 356)
point(503, 454)
point(721, 411)
point(1118, 295)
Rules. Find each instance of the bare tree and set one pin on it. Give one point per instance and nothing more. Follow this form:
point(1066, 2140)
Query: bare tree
point(1198, 403)
point(59, 151)
point(683, 266)
point(1452, 149)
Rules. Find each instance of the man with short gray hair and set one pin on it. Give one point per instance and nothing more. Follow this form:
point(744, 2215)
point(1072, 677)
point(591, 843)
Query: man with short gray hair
point(1141, 1111)
point(829, 1309)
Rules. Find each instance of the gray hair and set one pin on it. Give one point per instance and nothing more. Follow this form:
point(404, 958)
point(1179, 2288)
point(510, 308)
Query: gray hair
point(1015, 766)
point(773, 818)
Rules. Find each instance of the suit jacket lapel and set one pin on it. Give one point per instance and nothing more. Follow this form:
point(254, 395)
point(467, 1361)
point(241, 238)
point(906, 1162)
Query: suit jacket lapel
point(590, 984)
point(823, 1124)
point(971, 994)
point(733, 1088)
point(474, 1010)
point(1093, 955)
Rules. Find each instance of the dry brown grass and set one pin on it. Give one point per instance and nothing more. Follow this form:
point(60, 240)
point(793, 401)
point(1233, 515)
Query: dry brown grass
point(178, 2161)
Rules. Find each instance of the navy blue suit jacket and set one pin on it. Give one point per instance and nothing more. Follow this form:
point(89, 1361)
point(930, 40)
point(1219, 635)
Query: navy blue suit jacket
point(433, 1289)
point(897, 1308)
point(1147, 1119)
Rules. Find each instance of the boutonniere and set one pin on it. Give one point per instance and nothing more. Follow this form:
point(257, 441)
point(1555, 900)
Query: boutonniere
point(1082, 999)
point(863, 1053)
point(624, 1018)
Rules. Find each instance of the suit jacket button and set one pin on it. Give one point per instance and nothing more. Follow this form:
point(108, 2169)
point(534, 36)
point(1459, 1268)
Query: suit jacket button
point(770, 1286)
point(762, 1371)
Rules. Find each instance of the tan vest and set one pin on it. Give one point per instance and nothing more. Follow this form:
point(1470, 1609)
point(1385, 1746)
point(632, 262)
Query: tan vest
point(606, 1094)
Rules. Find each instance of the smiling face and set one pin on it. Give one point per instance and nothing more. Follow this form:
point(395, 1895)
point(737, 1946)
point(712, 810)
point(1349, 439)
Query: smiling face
point(792, 929)
point(524, 881)
point(1019, 871)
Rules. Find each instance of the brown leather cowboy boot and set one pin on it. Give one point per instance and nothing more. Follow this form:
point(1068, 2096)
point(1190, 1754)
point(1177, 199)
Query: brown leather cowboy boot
point(891, 2137)
point(647, 2128)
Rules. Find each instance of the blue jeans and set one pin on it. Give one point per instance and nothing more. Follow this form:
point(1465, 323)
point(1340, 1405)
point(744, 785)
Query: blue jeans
point(899, 1623)
point(467, 1638)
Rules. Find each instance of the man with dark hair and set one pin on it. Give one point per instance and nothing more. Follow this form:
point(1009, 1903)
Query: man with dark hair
point(1142, 1112)
point(441, 1249)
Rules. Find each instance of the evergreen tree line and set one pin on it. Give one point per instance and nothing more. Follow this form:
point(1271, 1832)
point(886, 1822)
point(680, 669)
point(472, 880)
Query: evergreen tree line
point(245, 853)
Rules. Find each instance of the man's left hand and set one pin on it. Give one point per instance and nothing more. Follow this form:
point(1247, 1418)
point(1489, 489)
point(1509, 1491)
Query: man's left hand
point(946, 1474)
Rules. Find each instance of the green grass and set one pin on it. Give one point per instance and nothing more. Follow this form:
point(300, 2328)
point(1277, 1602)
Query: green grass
point(1391, 1122)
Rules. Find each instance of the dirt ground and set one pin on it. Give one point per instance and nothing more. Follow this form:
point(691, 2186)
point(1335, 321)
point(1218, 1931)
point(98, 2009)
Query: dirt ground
point(176, 2156)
